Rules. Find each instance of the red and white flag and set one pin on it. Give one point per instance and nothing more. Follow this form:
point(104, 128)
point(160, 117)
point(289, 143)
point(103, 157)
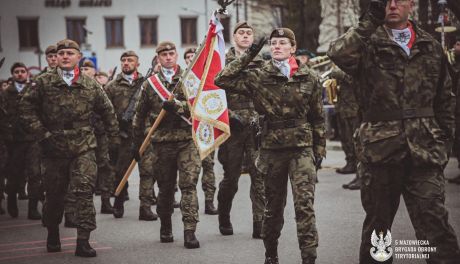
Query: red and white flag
point(208, 103)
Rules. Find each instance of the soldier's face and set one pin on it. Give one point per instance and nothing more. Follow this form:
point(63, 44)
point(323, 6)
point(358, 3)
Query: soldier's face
point(189, 57)
point(68, 58)
point(397, 13)
point(244, 37)
point(20, 74)
point(168, 59)
point(88, 71)
point(129, 64)
point(102, 79)
point(51, 59)
point(281, 48)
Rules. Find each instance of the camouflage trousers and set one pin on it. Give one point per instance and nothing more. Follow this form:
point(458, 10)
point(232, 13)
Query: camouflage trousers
point(422, 188)
point(147, 177)
point(347, 127)
point(23, 165)
point(231, 155)
point(172, 157)
point(3, 160)
point(278, 166)
point(77, 177)
point(208, 179)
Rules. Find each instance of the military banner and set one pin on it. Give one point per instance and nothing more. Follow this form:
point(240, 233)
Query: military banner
point(208, 103)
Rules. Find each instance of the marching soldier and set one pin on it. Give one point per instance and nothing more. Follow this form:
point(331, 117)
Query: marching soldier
point(123, 92)
point(293, 136)
point(23, 152)
point(404, 140)
point(241, 143)
point(208, 180)
point(51, 58)
point(88, 68)
point(172, 145)
point(102, 78)
point(58, 110)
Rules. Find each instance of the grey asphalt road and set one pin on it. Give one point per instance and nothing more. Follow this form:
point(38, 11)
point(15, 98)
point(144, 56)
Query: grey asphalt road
point(339, 216)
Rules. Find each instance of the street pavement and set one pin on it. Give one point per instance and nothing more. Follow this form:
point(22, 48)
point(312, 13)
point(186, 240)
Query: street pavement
point(339, 217)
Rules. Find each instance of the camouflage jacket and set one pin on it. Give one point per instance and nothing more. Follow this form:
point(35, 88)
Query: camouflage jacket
point(13, 126)
point(346, 104)
point(172, 128)
point(65, 111)
point(292, 107)
point(120, 93)
point(240, 104)
point(416, 88)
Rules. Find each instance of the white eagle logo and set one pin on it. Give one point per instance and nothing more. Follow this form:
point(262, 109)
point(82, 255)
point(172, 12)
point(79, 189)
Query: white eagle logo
point(381, 250)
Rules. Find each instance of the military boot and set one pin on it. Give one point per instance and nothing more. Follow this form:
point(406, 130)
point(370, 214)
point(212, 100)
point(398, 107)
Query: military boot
point(257, 229)
point(33, 213)
point(118, 207)
point(53, 242)
point(346, 185)
point(225, 226)
point(146, 214)
point(209, 208)
point(166, 235)
point(84, 249)
point(190, 240)
point(106, 207)
point(271, 260)
point(349, 168)
point(12, 205)
point(356, 185)
point(308, 260)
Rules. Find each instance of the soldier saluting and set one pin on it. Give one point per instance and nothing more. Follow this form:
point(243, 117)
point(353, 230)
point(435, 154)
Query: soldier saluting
point(58, 110)
point(293, 136)
point(406, 133)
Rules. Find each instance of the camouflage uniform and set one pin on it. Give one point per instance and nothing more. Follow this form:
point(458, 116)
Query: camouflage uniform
point(241, 143)
point(24, 155)
point(405, 137)
point(173, 150)
point(293, 134)
point(60, 115)
point(347, 114)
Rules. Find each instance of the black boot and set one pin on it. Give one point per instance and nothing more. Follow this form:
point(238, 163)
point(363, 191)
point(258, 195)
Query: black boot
point(106, 207)
point(12, 205)
point(33, 213)
point(118, 207)
point(23, 195)
point(209, 208)
point(271, 260)
point(84, 249)
point(166, 235)
point(69, 220)
point(190, 240)
point(257, 229)
point(349, 168)
point(53, 242)
point(146, 214)
point(225, 226)
point(356, 185)
point(308, 260)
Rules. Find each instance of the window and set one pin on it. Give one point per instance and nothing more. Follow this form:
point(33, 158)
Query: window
point(76, 29)
point(149, 32)
point(226, 24)
point(188, 31)
point(28, 33)
point(114, 32)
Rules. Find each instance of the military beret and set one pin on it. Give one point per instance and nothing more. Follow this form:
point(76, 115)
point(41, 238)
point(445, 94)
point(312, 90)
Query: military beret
point(17, 65)
point(165, 46)
point(189, 50)
point(50, 49)
point(129, 53)
point(300, 52)
point(283, 33)
point(242, 24)
point(67, 44)
point(88, 63)
point(101, 73)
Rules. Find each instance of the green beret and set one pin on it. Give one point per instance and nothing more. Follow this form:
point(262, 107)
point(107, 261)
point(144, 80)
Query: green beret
point(189, 50)
point(165, 46)
point(67, 44)
point(101, 73)
point(50, 49)
point(88, 63)
point(284, 33)
point(242, 24)
point(129, 53)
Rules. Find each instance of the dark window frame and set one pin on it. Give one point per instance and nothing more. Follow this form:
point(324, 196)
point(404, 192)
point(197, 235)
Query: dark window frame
point(71, 18)
point(193, 37)
point(32, 46)
point(113, 19)
point(155, 31)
